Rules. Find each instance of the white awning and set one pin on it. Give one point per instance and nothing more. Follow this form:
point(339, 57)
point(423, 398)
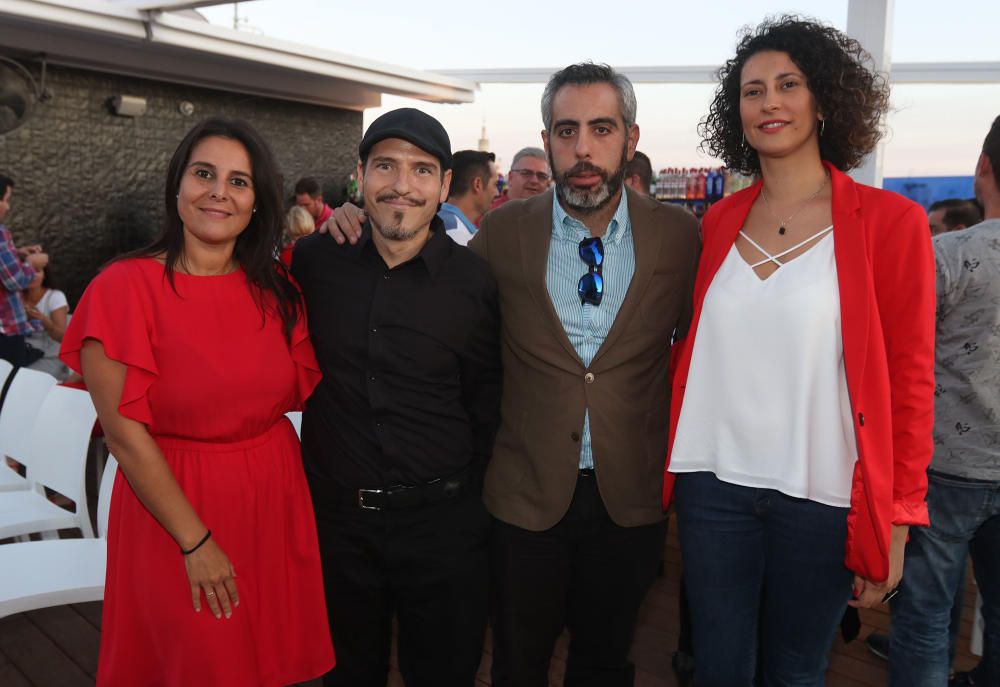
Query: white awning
point(117, 37)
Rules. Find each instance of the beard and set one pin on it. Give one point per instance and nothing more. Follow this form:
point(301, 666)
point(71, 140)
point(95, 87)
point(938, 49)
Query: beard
point(391, 227)
point(591, 201)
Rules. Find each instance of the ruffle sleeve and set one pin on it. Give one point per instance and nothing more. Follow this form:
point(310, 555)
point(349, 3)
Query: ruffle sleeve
point(116, 310)
point(307, 372)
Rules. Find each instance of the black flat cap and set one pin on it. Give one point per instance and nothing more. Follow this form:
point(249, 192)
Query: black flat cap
point(412, 125)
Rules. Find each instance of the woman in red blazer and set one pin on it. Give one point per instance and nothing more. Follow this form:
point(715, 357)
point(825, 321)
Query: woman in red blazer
point(800, 426)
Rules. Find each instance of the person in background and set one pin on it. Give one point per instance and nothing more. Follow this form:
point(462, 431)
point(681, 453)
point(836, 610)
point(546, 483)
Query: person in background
point(953, 214)
point(48, 307)
point(529, 175)
point(17, 270)
point(193, 350)
point(298, 223)
point(803, 393)
point(639, 173)
point(309, 195)
point(964, 493)
point(473, 188)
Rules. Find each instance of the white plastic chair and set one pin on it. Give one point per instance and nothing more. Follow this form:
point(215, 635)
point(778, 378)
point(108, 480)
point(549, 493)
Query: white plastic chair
point(39, 574)
point(24, 399)
point(56, 457)
point(296, 417)
point(8, 481)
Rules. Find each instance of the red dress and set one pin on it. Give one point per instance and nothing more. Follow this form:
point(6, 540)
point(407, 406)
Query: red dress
point(211, 378)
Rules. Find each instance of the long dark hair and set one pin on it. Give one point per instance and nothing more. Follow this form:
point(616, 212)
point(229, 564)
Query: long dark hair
point(257, 245)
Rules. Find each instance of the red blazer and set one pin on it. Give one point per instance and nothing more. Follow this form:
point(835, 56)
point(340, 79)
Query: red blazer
point(885, 269)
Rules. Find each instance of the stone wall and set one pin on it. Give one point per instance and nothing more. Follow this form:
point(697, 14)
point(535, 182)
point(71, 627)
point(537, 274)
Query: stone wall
point(90, 184)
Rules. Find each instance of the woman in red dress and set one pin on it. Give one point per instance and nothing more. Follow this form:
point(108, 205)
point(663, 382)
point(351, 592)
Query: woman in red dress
point(193, 350)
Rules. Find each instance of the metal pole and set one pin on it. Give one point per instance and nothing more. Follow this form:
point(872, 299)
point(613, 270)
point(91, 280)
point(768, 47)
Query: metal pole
point(870, 23)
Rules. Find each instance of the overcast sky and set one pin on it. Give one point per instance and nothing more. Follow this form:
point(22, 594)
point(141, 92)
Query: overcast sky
point(933, 129)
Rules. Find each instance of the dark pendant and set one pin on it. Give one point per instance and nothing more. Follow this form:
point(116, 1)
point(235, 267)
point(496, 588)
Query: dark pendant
point(781, 230)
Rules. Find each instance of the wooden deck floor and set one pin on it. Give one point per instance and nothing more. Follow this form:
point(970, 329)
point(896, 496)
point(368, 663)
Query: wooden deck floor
point(58, 647)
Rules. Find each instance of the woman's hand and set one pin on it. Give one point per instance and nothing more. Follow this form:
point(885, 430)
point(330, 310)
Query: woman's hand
point(34, 313)
point(210, 571)
point(869, 594)
point(24, 251)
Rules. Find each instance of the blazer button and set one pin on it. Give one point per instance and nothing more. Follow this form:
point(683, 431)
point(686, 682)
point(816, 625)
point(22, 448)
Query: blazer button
point(575, 436)
point(589, 378)
point(861, 419)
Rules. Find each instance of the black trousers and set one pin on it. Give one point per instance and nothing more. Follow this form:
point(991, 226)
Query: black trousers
point(14, 350)
point(427, 566)
point(586, 574)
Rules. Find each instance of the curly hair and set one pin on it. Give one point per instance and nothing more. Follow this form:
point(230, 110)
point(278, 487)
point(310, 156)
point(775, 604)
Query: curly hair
point(850, 94)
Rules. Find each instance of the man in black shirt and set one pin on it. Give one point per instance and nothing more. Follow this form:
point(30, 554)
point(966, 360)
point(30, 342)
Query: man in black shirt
point(396, 437)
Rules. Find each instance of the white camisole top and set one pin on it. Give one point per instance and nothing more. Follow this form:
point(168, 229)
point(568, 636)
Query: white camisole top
point(766, 403)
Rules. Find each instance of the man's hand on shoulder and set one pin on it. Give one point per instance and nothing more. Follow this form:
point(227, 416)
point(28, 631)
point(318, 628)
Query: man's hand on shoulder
point(345, 224)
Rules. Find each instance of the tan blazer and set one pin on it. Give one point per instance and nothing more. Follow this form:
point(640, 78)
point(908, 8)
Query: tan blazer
point(532, 475)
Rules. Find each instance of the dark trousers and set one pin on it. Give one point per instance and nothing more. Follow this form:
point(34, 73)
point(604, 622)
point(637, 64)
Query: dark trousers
point(14, 350)
point(426, 565)
point(760, 566)
point(586, 574)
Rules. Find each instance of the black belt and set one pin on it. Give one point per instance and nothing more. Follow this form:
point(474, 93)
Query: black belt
point(401, 496)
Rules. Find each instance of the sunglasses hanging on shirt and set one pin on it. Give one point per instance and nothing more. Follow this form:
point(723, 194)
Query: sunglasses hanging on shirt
point(591, 285)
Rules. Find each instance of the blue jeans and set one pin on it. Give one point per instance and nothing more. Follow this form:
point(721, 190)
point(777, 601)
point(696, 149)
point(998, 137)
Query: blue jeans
point(965, 520)
point(758, 563)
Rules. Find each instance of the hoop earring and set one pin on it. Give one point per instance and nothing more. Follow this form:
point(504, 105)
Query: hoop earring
point(822, 127)
point(743, 139)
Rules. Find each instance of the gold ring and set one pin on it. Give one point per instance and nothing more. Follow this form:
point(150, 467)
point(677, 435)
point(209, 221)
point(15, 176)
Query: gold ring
point(209, 593)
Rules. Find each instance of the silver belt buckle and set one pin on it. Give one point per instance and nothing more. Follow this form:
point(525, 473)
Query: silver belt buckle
point(361, 498)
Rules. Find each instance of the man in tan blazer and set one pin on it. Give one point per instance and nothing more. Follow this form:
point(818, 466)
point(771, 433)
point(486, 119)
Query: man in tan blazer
point(574, 484)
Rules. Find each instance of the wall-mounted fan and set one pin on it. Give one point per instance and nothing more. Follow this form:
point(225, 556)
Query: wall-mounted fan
point(19, 92)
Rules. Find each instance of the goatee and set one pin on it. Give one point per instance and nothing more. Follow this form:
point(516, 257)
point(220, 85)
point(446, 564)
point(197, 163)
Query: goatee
point(393, 230)
point(589, 201)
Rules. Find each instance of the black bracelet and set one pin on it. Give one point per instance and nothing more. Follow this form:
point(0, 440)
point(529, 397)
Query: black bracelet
point(187, 552)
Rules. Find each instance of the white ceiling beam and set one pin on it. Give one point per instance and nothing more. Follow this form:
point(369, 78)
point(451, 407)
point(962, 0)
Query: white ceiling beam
point(902, 72)
point(170, 5)
point(682, 74)
point(945, 72)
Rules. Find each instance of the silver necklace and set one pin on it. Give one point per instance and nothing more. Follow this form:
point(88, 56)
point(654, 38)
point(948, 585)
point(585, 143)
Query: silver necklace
point(800, 208)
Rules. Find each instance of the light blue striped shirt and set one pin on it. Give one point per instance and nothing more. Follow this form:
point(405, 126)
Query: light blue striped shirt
point(587, 325)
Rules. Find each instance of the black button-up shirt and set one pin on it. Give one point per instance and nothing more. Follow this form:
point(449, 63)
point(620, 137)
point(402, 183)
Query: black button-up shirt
point(410, 359)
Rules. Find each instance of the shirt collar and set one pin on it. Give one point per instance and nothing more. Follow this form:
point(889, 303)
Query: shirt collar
point(434, 254)
point(455, 210)
point(570, 229)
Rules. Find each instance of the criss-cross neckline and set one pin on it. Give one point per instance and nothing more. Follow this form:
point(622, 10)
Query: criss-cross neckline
point(776, 257)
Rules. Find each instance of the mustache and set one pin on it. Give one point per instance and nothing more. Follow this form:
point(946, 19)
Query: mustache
point(391, 196)
point(584, 167)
